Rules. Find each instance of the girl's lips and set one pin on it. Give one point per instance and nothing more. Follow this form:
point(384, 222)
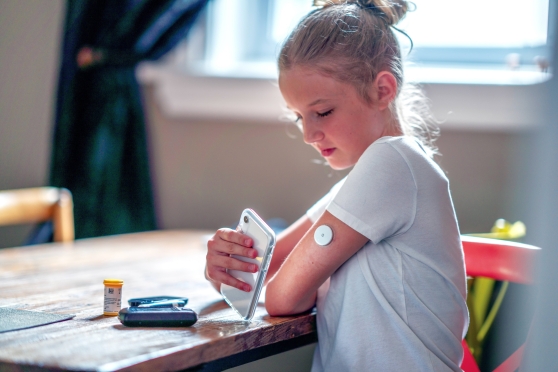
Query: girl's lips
point(327, 152)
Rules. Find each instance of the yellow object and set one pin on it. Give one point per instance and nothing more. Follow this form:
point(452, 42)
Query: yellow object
point(113, 296)
point(503, 229)
point(480, 289)
point(113, 282)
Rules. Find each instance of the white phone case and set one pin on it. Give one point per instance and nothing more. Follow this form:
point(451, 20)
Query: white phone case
point(244, 303)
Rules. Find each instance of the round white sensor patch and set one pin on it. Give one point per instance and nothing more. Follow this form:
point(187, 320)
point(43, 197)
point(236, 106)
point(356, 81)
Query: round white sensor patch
point(323, 235)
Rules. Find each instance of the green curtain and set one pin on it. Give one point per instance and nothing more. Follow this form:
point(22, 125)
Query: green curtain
point(100, 147)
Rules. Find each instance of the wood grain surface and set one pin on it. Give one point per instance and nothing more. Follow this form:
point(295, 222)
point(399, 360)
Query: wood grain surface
point(67, 278)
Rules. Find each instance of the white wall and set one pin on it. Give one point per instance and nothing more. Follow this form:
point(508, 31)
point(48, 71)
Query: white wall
point(29, 50)
point(540, 178)
point(207, 171)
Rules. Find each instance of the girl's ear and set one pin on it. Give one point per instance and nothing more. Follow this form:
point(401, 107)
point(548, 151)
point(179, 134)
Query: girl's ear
point(384, 89)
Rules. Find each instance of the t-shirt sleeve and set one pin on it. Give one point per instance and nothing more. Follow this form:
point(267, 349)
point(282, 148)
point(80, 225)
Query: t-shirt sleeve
point(378, 199)
point(318, 209)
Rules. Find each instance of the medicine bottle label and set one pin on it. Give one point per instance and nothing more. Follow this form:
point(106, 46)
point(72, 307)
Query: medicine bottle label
point(113, 300)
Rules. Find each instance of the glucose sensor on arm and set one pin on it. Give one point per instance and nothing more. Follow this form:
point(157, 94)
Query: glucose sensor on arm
point(323, 235)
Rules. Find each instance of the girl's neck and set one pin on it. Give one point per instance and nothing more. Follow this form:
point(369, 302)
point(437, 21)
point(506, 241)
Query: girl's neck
point(392, 128)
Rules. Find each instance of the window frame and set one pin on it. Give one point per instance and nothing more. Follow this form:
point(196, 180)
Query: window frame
point(462, 99)
point(259, 12)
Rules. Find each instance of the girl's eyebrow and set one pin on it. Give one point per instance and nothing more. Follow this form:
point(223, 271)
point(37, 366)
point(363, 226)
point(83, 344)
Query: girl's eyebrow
point(313, 103)
point(319, 100)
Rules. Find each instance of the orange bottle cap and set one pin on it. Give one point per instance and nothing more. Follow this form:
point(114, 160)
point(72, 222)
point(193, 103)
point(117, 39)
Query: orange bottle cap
point(113, 281)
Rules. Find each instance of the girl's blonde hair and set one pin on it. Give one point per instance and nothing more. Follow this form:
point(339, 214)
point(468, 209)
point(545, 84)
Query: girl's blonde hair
point(352, 41)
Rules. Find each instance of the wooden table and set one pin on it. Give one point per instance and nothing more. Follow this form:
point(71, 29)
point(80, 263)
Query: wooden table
point(68, 279)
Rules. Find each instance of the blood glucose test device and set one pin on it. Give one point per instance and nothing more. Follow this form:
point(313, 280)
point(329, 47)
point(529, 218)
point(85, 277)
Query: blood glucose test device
point(158, 311)
point(323, 235)
point(158, 301)
point(135, 316)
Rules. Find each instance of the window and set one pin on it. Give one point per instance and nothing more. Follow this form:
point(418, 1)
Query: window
point(457, 31)
point(460, 50)
point(244, 36)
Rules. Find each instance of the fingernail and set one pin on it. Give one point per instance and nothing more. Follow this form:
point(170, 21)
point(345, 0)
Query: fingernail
point(254, 268)
point(247, 242)
point(246, 288)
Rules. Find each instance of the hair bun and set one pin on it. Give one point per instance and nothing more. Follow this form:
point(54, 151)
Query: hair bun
point(392, 11)
point(328, 2)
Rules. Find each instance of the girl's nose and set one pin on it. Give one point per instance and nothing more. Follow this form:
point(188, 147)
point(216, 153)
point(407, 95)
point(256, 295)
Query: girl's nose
point(311, 133)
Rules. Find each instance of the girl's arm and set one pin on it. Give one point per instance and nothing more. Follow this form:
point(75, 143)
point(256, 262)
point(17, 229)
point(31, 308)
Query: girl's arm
point(294, 286)
point(286, 241)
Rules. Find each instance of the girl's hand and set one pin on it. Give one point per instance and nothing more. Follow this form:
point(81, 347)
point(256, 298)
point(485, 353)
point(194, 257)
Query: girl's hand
point(220, 247)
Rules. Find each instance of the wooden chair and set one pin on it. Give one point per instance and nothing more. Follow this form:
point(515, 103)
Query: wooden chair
point(39, 204)
point(504, 261)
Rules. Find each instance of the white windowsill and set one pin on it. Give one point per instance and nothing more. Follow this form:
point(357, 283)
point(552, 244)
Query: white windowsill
point(464, 98)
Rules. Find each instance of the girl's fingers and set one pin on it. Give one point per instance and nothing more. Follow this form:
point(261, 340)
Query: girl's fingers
point(218, 245)
point(220, 248)
point(234, 236)
point(225, 278)
point(232, 263)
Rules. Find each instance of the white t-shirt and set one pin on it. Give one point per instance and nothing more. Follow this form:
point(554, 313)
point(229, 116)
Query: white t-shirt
point(398, 304)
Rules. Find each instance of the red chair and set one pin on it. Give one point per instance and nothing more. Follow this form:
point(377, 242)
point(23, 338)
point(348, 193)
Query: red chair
point(504, 261)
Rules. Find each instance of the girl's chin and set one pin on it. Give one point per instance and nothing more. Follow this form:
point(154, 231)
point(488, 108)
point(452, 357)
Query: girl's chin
point(336, 165)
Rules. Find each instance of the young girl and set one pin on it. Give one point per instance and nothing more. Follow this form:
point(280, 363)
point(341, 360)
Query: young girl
point(395, 269)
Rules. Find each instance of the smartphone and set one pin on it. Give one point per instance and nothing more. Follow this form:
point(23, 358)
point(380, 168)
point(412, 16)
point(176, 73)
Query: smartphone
point(157, 317)
point(244, 303)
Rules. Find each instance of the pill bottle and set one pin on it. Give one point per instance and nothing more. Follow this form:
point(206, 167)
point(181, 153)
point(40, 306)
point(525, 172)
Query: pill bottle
point(113, 296)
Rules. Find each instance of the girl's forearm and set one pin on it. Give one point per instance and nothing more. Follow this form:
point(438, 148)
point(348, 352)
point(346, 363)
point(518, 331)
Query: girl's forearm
point(286, 241)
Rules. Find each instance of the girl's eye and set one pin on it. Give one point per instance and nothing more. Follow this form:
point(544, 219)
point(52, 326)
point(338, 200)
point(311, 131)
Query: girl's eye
point(298, 122)
point(324, 114)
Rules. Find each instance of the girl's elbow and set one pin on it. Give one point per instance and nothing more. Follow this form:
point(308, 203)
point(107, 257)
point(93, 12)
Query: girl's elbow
point(274, 306)
point(279, 309)
point(277, 304)
point(273, 310)
point(280, 304)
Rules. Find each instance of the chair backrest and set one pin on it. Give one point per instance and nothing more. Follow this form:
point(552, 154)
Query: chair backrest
point(500, 260)
point(39, 204)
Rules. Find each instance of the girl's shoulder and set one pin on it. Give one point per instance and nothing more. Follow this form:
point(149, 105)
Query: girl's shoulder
point(400, 142)
point(401, 152)
point(405, 147)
